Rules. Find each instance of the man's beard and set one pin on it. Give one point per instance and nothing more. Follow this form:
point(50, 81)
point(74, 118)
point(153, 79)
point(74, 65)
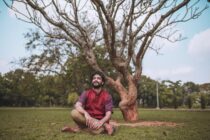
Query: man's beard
point(99, 85)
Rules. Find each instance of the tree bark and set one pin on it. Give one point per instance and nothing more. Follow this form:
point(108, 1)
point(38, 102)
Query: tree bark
point(130, 113)
point(128, 104)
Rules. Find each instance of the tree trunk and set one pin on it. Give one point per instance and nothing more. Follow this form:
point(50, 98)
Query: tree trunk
point(130, 113)
point(128, 104)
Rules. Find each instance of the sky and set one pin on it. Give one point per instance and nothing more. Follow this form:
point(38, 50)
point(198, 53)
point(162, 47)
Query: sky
point(188, 60)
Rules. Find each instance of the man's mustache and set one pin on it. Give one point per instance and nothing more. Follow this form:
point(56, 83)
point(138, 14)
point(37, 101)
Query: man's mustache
point(96, 82)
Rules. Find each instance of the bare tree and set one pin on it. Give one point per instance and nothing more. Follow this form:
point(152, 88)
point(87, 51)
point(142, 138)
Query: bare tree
point(127, 29)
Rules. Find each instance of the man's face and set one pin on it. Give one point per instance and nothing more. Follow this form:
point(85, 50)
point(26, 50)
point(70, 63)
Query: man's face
point(97, 81)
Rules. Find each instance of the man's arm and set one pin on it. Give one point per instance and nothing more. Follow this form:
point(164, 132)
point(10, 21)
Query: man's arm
point(104, 120)
point(78, 107)
point(107, 117)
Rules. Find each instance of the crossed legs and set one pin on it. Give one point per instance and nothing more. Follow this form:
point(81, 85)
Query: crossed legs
point(80, 120)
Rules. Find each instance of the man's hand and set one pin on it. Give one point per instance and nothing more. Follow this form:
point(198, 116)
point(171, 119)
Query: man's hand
point(89, 120)
point(93, 123)
point(98, 124)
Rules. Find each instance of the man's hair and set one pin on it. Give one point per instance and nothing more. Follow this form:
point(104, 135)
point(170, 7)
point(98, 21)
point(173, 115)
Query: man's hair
point(98, 73)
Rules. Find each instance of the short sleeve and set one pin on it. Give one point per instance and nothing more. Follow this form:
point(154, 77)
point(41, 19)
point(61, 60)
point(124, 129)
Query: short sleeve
point(82, 98)
point(109, 103)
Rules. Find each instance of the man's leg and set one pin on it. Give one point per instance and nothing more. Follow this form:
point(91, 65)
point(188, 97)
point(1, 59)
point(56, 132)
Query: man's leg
point(110, 129)
point(106, 128)
point(80, 120)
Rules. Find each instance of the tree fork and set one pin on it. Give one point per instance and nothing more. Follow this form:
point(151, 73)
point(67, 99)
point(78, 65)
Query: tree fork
point(129, 112)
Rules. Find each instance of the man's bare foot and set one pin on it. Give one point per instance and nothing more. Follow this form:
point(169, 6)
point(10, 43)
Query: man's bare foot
point(70, 129)
point(110, 129)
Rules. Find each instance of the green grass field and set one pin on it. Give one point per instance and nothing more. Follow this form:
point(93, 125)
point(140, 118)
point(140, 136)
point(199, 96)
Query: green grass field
point(45, 124)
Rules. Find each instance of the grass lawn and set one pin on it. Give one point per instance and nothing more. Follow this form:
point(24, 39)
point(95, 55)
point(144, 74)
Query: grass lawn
point(45, 124)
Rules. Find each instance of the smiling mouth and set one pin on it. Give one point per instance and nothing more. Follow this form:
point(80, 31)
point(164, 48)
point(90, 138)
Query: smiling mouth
point(95, 82)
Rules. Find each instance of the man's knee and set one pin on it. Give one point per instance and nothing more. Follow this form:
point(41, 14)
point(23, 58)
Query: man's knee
point(75, 113)
point(78, 117)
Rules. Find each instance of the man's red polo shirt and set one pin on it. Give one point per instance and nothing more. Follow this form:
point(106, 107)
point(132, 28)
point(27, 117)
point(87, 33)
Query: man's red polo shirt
point(96, 104)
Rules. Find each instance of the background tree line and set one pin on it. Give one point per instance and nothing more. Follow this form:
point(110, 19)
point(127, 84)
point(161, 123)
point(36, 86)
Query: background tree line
point(22, 88)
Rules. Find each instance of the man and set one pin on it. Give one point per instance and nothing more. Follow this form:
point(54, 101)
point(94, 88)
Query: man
point(93, 109)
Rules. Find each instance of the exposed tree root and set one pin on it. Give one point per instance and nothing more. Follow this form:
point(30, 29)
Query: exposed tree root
point(144, 123)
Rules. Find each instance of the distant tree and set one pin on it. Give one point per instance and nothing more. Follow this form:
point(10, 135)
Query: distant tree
point(208, 99)
point(53, 90)
point(19, 88)
point(147, 92)
point(127, 30)
point(205, 87)
point(203, 101)
point(190, 87)
point(189, 101)
point(4, 99)
point(72, 98)
point(166, 98)
point(177, 90)
point(29, 88)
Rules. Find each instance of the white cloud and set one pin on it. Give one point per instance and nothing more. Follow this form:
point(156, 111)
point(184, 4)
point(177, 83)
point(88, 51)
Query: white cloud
point(181, 70)
point(199, 45)
point(172, 73)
